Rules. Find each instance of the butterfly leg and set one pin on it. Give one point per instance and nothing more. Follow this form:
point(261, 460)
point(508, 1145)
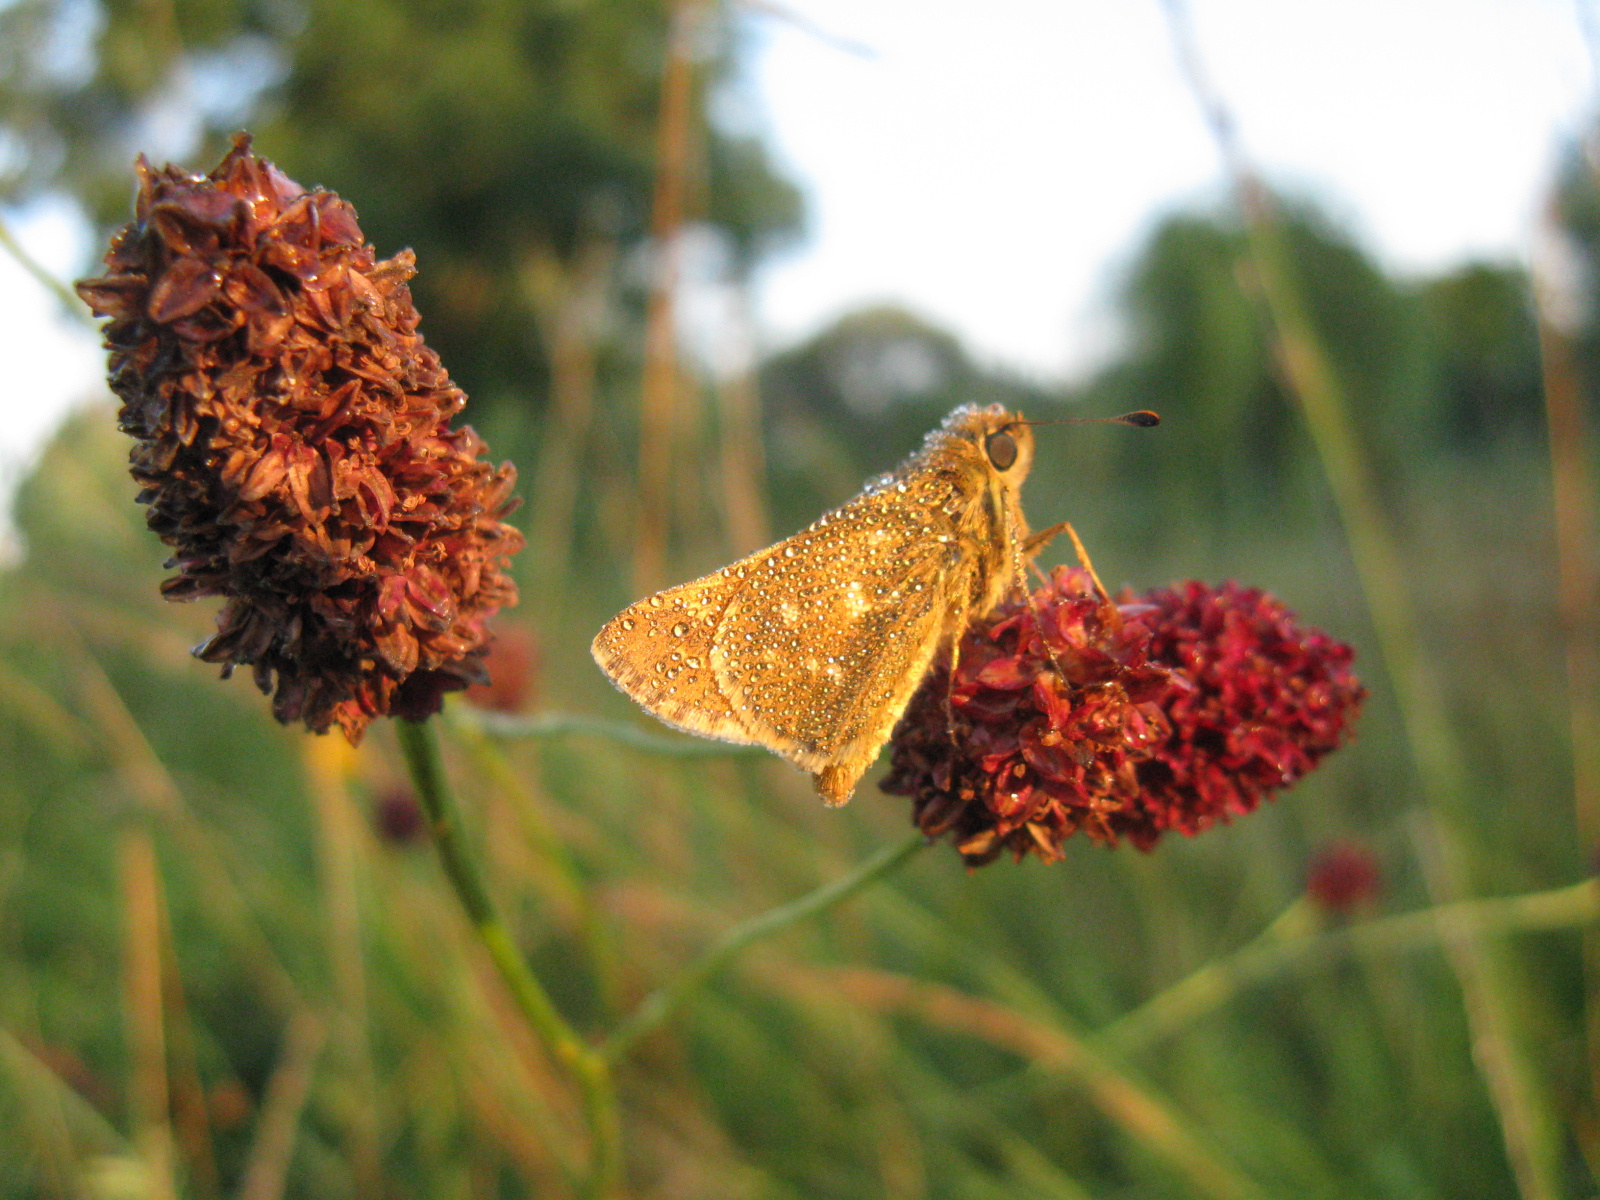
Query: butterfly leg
point(960, 628)
point(1038, 541)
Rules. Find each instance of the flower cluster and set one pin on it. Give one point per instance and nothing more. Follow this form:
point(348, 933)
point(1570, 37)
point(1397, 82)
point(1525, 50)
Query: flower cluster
point(294, 445)
point(1068, 712)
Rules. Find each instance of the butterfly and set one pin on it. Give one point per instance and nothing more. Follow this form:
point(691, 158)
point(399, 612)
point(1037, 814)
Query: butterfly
point(813, 646)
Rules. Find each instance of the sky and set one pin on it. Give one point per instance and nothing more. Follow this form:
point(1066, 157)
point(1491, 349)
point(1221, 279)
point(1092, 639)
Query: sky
point(993, 167)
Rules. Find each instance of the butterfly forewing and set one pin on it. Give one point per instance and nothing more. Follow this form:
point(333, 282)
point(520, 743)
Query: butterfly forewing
point(823, 635)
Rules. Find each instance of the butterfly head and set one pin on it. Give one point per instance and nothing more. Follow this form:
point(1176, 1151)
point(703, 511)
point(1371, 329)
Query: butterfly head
point(1001, 439)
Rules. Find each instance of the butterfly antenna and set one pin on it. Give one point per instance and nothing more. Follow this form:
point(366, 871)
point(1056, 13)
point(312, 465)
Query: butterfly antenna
point(1140, 419)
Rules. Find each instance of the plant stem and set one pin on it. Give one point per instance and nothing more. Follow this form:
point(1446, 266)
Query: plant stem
point(546, 725)
point(68, 298)
point(590, 1068)
point(665, 1000)
point(1270, 956)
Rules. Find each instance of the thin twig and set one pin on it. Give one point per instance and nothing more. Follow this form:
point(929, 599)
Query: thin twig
point(420, 745)
point(666, 1000)
point(551, 725)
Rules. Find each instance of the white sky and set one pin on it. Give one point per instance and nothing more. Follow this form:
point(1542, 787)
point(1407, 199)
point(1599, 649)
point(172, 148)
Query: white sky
point(993, 165)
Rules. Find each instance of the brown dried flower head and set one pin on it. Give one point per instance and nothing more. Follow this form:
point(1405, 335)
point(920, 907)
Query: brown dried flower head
point(294, 445)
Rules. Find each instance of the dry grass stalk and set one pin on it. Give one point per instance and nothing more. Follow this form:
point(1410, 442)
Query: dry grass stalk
point(1314, 381)
point(572, 304)
point(142, 1010)
point(328, 762)
point(190, 1113)
point(1526, 1125)
point(744, 464)
point(1578, 574)
point(658, 390)
point(267, 1167)
point(146, 778)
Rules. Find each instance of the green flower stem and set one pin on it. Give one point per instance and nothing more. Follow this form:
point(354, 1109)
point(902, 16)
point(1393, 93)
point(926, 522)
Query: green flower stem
point(420, 745)
point(1272, 955)
point(551, 725)
point(666, 1000)
point(68, 298)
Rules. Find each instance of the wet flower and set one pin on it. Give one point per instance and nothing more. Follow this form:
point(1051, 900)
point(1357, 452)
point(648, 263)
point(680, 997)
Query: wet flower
point(294, 445)
point(1343, 877)
point(1039, 753)
point(513, 666)
point(1169, 711)
point(1257, 701)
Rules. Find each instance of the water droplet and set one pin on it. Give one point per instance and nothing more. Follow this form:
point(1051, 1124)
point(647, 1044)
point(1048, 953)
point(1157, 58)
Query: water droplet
point(676, 657)
point(679, 629)
point(693, 662)
point(627, 623)
point(655, 601)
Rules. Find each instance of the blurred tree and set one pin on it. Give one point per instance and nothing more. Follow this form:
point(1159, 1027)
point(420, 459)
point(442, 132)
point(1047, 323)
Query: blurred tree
point(1452, 360)
point(858, 397)
point(1485, 345)
point(490, 137)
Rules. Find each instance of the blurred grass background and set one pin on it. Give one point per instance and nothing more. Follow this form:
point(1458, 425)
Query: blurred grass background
point(228, 965)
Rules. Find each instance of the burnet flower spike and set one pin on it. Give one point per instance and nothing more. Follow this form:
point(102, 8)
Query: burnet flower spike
point(1073, 713)
point(293, 442)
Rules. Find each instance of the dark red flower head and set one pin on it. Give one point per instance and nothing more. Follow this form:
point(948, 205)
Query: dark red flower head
point(294, 445)
point(1169, 711)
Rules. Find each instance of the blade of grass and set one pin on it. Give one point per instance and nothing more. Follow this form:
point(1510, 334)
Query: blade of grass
point(32, 1074)
point(1132, 1107)
point(147, 780)
point(657, 1007)
point(142, 1010)
point(1270, 957)
point(1528, 1128)
point(65, 295)
point(190, 1115)
point(267, 1167)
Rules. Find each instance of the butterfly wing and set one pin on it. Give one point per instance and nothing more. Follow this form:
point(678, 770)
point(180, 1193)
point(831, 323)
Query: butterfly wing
point(819, 649)
point(658, 652)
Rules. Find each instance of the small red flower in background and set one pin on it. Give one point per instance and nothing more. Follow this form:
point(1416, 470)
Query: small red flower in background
point(1169, 711)
point(1344, 876)
point(397, 815)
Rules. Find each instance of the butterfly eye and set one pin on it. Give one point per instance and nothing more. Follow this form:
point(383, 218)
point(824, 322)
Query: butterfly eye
point(1002, 449)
